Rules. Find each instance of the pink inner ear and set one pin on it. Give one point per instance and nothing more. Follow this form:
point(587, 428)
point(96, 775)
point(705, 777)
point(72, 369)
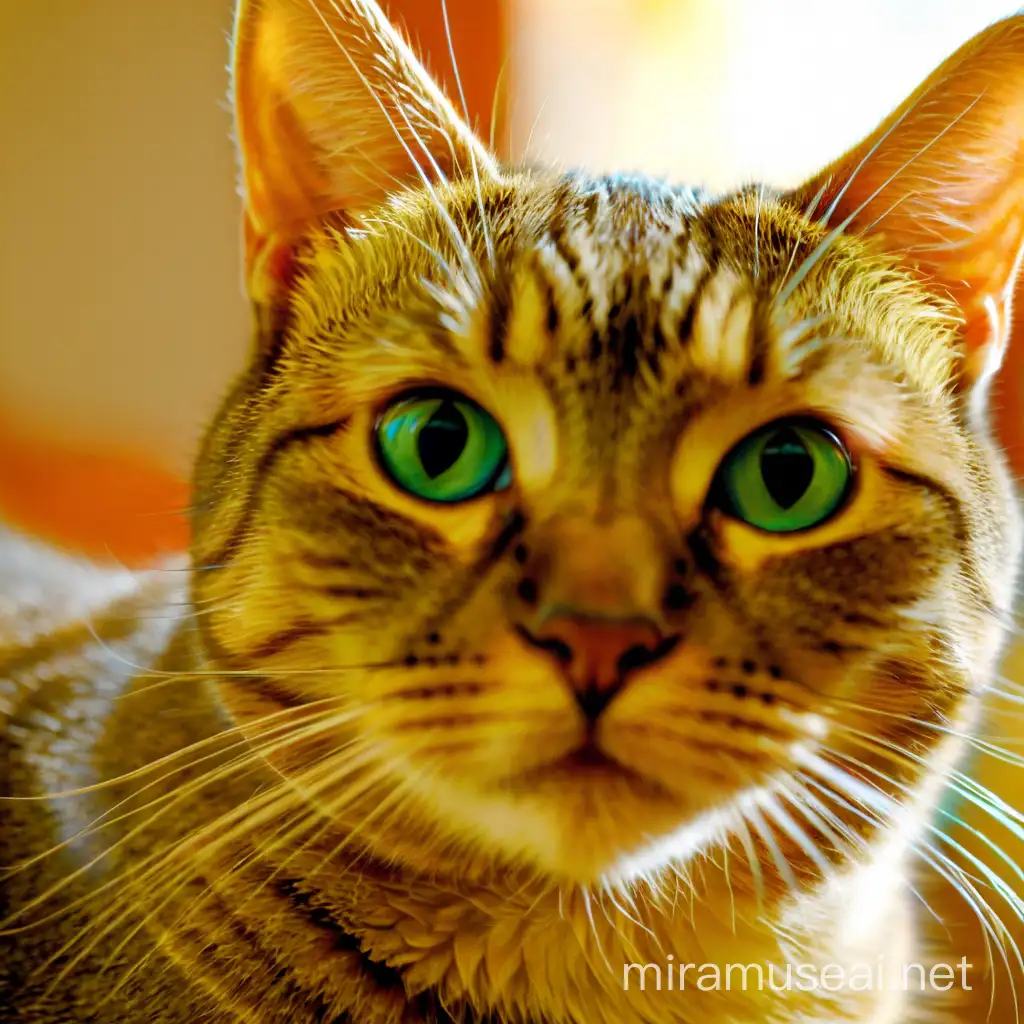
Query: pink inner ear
point(281, 175)
point(269, 264)
point(945, 189)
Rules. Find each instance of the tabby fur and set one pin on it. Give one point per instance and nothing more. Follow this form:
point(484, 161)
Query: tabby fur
point(316, 774)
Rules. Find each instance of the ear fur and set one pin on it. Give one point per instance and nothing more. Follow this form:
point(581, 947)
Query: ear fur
point(333, 111)
point(941, 184)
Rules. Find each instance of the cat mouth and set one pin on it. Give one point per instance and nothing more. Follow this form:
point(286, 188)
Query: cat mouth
point(589, 757)
point(586, 764)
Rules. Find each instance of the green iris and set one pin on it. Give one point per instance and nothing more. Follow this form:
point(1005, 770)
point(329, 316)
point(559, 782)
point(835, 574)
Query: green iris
point(788, 476)
point(442, 447)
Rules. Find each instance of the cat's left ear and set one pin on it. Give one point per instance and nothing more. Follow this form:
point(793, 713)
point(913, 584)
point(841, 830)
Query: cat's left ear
point(333, 111)
point(941, 183)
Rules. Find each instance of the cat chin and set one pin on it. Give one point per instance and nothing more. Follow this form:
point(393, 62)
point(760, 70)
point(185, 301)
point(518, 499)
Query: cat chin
point(586, 827)
point(628, 843)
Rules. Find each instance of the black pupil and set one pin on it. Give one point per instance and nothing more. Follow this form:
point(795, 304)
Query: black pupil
point(442, 439)
point(786, 467)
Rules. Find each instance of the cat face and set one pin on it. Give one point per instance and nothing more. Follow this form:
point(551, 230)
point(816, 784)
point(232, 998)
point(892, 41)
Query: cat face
point(615, 517)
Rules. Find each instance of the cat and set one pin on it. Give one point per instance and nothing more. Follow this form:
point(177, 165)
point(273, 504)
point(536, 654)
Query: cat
point(589, 576)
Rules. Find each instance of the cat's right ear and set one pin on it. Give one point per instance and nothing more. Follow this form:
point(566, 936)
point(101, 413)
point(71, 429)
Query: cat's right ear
point(333, 111)
point(940, 185)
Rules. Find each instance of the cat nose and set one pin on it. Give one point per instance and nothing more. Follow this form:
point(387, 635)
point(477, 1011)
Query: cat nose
point(597, 655)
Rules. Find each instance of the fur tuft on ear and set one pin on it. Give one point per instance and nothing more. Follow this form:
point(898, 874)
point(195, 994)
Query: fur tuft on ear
point(333, 111)
point(941, 184)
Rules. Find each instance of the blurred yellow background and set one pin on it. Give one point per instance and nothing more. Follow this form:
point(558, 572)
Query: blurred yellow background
point(121, 310)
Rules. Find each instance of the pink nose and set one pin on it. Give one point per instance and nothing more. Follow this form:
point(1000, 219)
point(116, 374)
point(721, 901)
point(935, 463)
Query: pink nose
point(598, 654)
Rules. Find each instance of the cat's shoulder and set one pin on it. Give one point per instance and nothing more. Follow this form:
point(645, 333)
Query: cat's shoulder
point(54, 605)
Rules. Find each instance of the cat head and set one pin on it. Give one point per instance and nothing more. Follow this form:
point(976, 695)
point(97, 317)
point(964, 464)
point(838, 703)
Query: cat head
point(590, 521)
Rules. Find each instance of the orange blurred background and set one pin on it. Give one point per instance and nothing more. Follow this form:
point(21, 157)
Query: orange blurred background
point(121, 311)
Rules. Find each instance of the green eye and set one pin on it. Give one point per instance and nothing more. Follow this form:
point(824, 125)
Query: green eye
point(442, 447)
point(788, 476)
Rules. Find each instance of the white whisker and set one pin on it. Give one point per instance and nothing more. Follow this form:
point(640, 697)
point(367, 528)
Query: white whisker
point(484, 226)
point(825, 244)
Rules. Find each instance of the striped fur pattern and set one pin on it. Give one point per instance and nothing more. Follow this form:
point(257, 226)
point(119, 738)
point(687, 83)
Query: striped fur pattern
point(318, 774)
